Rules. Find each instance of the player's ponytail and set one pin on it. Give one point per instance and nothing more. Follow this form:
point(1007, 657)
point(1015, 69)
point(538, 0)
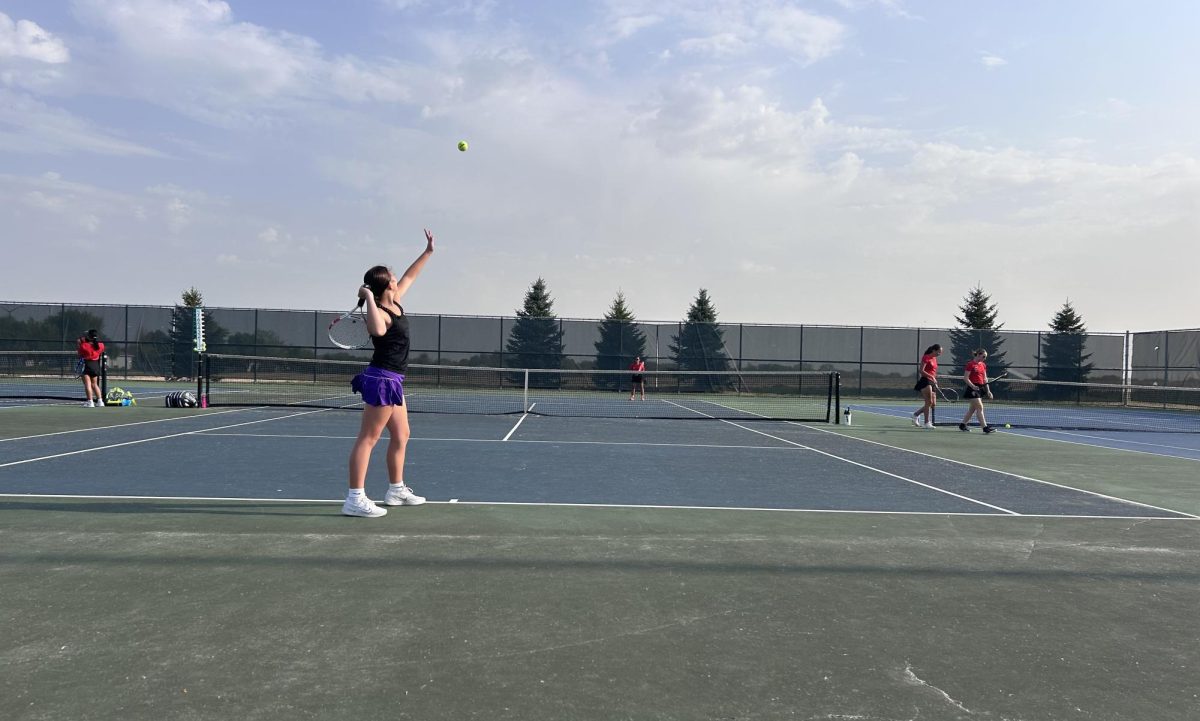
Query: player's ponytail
point(377, 279)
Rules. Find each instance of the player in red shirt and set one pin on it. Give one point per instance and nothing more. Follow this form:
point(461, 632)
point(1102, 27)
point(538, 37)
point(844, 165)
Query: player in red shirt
point(91, 350)
point(976, 379)
point(638, 380)
point(926, 386)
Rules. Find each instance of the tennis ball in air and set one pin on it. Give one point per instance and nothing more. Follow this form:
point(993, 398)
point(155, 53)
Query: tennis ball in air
point(462, 145)
point(1008, 425)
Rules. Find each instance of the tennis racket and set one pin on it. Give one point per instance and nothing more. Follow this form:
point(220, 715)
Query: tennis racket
point(79, 366)
point(993, 379)
point(948, 394)
point(349, 330)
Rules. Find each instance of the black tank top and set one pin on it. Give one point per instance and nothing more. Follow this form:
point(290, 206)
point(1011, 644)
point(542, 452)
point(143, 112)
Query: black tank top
point(391, 348)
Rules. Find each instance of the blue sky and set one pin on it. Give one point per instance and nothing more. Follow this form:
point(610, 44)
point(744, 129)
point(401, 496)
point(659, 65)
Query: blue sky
point(833, 161)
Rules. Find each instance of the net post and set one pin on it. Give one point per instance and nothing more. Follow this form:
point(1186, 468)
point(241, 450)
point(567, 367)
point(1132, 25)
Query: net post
point(835, 397)
point(206, 380)
point(201, 379)
point(525, 392)
point(103, 378)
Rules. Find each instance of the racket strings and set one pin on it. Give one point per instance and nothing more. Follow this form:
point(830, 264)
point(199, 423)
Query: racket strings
point(350, 332)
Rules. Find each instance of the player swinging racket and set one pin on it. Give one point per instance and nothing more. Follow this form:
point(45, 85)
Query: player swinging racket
point(638, 366)
point(382, 387)
point(927, 386)
point(976, 379)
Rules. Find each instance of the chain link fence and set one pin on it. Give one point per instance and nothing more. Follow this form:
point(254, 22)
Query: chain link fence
point(155, 341)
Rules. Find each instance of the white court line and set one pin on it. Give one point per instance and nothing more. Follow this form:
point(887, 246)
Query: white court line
point(994, 470)
point(460, 502)
point(519, 422)
point(123, 425)
point(156, 438)
point(1032, 433)
point(847, 460)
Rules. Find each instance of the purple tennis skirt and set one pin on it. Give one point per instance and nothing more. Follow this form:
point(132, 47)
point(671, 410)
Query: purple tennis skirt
point(379, 387)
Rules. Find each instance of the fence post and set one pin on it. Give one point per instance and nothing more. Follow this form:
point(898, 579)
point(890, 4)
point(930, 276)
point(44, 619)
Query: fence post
point(862, 334)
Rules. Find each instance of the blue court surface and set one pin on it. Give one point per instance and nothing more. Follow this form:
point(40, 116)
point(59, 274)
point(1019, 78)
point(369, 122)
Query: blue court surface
point(1160, 433)
point(300, 454)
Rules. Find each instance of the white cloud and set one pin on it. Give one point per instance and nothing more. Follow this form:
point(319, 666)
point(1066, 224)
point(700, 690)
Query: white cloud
point(30, 126)
point(991, 62)
point(178, 214)
point(800, 33)
point(737, 27)
point(26, 39)
point(227, 259)
point(237, 72)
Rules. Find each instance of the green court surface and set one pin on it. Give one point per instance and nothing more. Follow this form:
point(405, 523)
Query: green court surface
point(165, 608)
point(149, 610)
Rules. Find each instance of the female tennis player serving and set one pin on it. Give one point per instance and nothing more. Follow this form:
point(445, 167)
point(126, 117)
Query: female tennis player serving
point(926, 384)
point(977, 386)
point(382, 387)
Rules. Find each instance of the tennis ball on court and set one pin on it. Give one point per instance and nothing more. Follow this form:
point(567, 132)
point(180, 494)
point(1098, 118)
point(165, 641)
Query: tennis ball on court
point(1008, 425)
point(462, 145)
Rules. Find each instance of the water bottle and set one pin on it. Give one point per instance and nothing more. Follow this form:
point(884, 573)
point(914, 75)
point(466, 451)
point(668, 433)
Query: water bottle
point(846, 416)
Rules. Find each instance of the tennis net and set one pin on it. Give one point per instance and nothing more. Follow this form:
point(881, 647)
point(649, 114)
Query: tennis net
point(47, 375)
point(322, 383)
point(1055, 405)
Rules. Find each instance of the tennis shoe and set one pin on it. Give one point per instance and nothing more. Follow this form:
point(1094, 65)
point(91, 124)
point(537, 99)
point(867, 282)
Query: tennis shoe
point(88, 404)
point(963, 427)
point(929, 425)
point(917, 421)
point(363, 508)
point(989, 429)
point(401, 495)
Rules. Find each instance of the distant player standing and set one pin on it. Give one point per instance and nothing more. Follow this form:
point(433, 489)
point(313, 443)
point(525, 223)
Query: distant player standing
point(926, 384)
point(91, 350)
point(638, 380)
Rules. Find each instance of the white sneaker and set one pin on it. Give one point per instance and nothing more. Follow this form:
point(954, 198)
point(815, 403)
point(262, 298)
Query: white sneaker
point(89, 404)
point(363, 508)
point(402, 495)
point(929, 426)
point(916, 421)
point(99, 404)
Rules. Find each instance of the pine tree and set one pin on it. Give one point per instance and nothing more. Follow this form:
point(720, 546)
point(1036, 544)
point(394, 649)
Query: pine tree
point(977, 329)
point(183, 334)
point(700, 344)
point(536, 339)
point(1063, 357)
point(183, 341)
point(620, 342)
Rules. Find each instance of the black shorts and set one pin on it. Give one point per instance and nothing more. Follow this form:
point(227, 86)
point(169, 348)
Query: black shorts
point(979, 392)
point(638, 379)
point(91, 368)
point(922, 382)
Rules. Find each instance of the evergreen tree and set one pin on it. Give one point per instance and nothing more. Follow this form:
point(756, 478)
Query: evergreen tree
point(620, 341)
point(536, 339)
point(1063, 356)
point(183, 334)
point(977, 329)
point(700, 344)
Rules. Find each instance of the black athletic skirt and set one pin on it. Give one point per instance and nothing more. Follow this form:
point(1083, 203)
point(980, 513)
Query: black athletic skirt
point(969, 392)
point(922, 382)
point(91, 368)
point(638, 379)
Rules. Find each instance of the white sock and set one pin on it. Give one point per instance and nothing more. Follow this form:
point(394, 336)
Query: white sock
point(356, 493)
